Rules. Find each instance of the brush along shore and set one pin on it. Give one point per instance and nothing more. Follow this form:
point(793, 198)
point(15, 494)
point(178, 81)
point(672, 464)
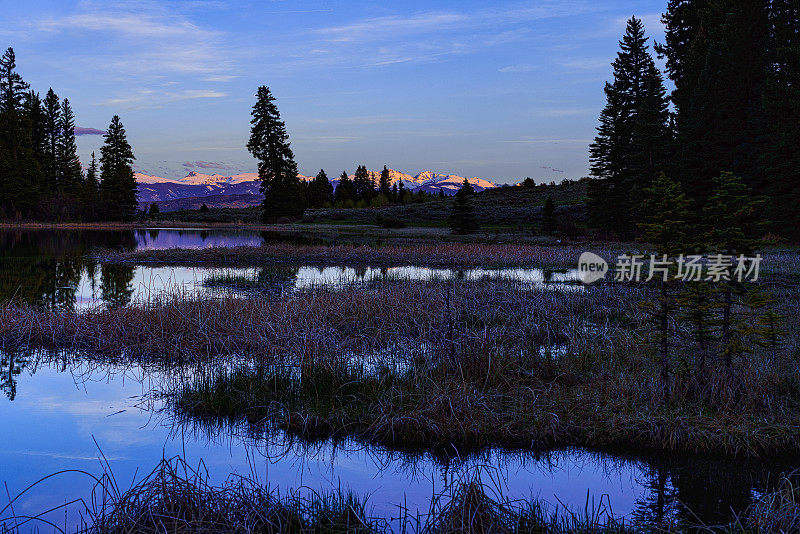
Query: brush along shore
point(176, 497)
point(425, 254)
point(443, 364)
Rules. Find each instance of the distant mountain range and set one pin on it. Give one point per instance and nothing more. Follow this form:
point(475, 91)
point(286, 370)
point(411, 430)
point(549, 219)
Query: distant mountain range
point(242, 190)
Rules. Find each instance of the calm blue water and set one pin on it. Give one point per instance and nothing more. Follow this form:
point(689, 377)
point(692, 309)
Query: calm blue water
point(53, 268)
point(63, 416)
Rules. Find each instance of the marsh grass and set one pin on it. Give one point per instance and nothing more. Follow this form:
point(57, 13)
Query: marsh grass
point(425, 254)
point(471, 364)
point(271, 278)
point(776, 511)
point(177, 497)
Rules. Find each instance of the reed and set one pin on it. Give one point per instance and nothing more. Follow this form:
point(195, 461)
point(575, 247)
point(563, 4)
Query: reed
point(176, 497)
point(441, 364)
point(423, 254)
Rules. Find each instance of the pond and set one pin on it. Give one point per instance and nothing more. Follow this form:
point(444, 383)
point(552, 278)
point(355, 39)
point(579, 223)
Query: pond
point(64, 414)
point(53, 268)
point(61, 414)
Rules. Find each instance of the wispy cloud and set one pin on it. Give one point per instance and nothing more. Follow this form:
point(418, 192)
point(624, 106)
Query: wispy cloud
point(148, 98)
point(207, 165)
point(390, 27)
point(548, 141)
point(430, 35)
point(153, 43)
point(587, 63)
point(378, 28)
point(517, 69)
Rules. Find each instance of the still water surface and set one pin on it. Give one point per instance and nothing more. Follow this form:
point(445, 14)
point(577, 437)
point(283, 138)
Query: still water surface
point(53, 268)
point(60, 415)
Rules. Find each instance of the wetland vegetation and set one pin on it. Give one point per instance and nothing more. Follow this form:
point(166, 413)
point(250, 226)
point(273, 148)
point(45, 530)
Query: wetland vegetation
point(445, 361)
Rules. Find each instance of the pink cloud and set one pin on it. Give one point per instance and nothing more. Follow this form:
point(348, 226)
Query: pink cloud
point(79, 130)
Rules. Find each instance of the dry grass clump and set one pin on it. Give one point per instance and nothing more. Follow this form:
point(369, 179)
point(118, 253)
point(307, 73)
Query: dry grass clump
point(778, 511)
point(434, 364)
point(427, 254)
point(175, 497)
point(320, 322)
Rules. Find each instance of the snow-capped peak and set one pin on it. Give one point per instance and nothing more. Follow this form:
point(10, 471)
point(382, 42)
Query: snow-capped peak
point(427, 180)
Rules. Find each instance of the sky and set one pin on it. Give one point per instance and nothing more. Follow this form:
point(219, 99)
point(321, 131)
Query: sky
point(500, 90)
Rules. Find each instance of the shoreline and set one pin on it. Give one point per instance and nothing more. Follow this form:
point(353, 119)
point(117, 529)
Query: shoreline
point(474, 364)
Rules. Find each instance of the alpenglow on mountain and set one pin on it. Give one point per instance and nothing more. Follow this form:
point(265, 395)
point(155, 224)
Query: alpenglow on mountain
point(242, 190)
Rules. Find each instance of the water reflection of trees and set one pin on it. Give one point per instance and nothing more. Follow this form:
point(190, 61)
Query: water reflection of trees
point(703, 491)
point(690, 491)
point(44, 267)
point(11, 365)
point(116, 286)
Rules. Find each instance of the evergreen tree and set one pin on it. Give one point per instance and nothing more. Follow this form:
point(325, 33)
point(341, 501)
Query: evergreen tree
point(665, 212)
point(36, 120)
point(781, 161)
point(19, 169)
point(732, 215)
point(401, 192)
point(12, 87)
point(154, 210)
point(118, 192)
point(385, 183)
point(91, 190)
point(717, 57)
point(320, 190)
point(52, 110)
point(632, 143)
point(70, 175)
point(277, 170)
point(549, 216)
point(462, 220)
point(345, 191)
point(684, 49)
point(363, 184)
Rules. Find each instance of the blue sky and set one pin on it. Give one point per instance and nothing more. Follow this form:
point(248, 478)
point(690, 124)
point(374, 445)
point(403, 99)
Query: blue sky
point(499, 90)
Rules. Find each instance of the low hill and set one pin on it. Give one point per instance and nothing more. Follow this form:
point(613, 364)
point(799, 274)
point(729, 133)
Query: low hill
point(501, 206)
point(505, 206)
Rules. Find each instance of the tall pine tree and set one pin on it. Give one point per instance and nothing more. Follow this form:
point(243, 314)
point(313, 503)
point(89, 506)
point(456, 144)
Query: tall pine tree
point(345, 192)
point(632, 144)
point(118, 192)
point(665, 211)
point(385, 183)
point(363, 184)
point(70, 175)
point(320, 191)
point(277, 170)
point(462, 218)
point(91, 191)
point(781, 161)
point(52, 110)
point(19, 169)
point(717, 56)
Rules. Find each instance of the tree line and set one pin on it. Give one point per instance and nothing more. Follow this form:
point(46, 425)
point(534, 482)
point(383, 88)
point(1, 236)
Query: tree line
point(735, 109)
point(41, 176)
